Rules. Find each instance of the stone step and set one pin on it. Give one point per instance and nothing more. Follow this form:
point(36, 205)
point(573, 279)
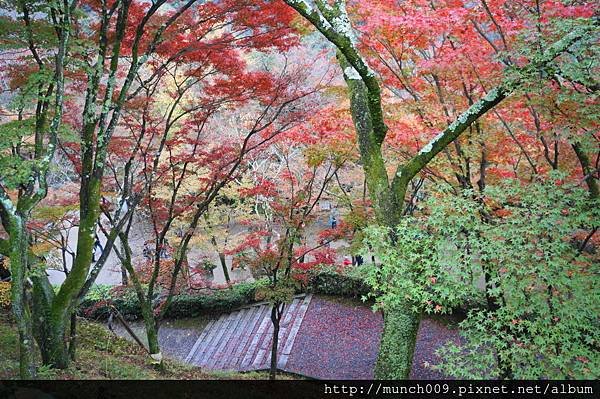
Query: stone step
point(236, 343)
point(199, 341)
point(263, 358)
point(291, 338)
point(258, 335)
point(210, 337)
point(212, 348)
point(218, 356)
point(242, 339)
point(254, 324)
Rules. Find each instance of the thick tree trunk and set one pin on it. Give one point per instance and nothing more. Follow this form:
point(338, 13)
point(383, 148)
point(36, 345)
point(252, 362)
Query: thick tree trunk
point(64, 303)
point(57, 344)
point(401, 325)
point(43, 295)
point(56, 350)
point(19, 249)
point(56, 339)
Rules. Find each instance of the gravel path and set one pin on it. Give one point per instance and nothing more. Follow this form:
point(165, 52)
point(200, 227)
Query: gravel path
point(340, 340)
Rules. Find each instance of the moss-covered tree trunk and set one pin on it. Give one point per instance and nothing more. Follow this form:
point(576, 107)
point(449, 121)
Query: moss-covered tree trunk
point(19, 249)
point(43, 294)
point(401, 323)
point(145, 300)
point(33, 188)
point(152, 334)
point(399, 338)
point(55, 352)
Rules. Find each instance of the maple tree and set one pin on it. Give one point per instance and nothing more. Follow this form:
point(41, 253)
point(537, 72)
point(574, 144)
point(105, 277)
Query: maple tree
point(428, 31)
point(537, 277)
point(190, 171)
point(125, 38)
point(202, 126)
point(279, 247)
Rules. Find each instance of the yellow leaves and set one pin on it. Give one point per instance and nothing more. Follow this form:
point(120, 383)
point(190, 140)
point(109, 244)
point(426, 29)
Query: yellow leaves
point(301, 26)
point(42, 248)
point(315, 155)
point(53, 213)
point(4, 295)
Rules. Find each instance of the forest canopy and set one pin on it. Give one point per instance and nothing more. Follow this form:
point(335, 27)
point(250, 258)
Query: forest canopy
point(438, 159)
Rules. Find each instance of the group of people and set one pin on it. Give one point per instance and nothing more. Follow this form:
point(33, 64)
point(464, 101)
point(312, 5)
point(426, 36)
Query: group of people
point(355, 260)
point(148, 251)
point(348, 260)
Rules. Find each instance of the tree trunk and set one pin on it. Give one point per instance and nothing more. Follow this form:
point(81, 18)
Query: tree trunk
point(19, 250)
point(43, 295)
point(588, 170)
point(64, 303)
point(276, 313)
point(56, 350)
point(401, 325)
point(124, 279)
point(73, 336)
point(222, 259)
point(56, 338)
point(152, 335)
point(224, 266)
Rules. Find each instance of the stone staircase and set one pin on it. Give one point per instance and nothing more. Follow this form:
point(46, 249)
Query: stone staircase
point(241, 340)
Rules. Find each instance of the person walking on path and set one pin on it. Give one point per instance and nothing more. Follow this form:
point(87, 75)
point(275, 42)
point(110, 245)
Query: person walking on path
point(333, 222)
point(97, 251)
point(333, 218)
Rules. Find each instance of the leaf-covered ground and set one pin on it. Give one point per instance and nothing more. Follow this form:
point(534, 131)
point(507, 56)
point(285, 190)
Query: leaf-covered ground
point(433, 333)
point(339, 339)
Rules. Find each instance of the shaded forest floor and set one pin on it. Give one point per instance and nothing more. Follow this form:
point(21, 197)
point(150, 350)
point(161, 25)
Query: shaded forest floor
point(102, 355)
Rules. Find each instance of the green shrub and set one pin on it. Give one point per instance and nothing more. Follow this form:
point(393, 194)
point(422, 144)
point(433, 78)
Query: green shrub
point(220, 301)
point(96, 304)
point(99, 292)
point(323, 280)
point(329, 281)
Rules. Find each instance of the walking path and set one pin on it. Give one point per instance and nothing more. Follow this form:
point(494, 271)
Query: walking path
point(242, 340)
point(320, 337)
point(339, 339)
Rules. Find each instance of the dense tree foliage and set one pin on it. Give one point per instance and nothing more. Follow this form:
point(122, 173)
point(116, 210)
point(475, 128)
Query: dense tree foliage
point(452, 146)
